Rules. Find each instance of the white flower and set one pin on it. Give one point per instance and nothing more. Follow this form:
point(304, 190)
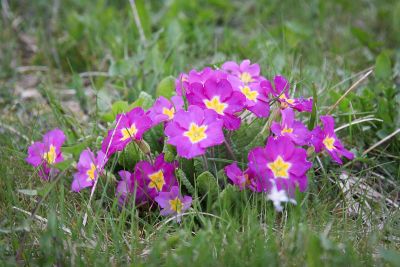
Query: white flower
point(279, 196)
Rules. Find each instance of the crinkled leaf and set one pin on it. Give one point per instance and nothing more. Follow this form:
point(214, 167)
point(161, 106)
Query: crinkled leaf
point(166, 87)
point(383, 69)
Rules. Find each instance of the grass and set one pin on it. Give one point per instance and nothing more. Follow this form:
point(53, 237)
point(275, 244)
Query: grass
point(63, 63)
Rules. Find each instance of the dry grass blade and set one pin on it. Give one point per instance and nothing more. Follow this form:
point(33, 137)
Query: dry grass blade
point(137, 21)
point(41, 219)
point(352, 87)
point(357, 122)
point(381, 142)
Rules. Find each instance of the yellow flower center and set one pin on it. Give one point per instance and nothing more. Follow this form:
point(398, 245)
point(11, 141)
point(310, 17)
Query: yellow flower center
point(169, 112)
point(129, 132)
point(250, 95)
point(196, 133)
point(216, 105)
point(176, 205)
point(279, 168)
point(90, 172)
point(287, 130)
point(288, 100)
point(245, 77)
point(329, 143)
point(50, 156)
point(157, 180)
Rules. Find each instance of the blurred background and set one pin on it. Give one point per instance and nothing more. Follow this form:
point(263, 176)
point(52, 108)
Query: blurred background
point(112, 50)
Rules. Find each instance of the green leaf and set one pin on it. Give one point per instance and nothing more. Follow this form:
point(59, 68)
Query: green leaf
point(390, 256)
point(121, 68)
point(166, 87)
point(144, 101)
point(63, 165)
point(228, 197)
point(313, 115)
point(185, 181)
point(207, 183)
point(116, 108)
point(383, 69)
point(77, 148)
point(130, 156)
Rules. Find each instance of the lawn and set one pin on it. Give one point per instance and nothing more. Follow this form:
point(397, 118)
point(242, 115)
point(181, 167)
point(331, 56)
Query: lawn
point(75, 64)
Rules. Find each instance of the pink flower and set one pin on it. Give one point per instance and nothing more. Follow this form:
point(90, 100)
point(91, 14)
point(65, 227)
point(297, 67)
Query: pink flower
point(129, 126)
point(164, 110)
point(281, 90)
point(292, 128)
point(184, 80)
point(46, 153)
point(219, 97)
point(89, 168)
point(155, 178)
point(282, 161)
point(237, 176)
point(193, 131)
point(172, 203)
point(327, 139)
point(245, 72)
point(125, 187)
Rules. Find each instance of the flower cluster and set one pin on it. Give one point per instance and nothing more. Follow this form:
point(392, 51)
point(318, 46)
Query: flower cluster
point(207, 105)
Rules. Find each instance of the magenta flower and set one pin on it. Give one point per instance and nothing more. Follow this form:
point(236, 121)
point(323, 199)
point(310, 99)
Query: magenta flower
point(89, 168)
point(219, 97)
point(237, 176)
point(155, 178)
point(185, 80)
point(282, 161)
point(129, 126)
point(193, 131)
point(246, 179)
point(164, 110)
point(292, 128)
point(246, 72)
point(172, 203)
point(327, 139)
point(46, 153)
point(124, 187)
point(281, 90)
point(128, 188)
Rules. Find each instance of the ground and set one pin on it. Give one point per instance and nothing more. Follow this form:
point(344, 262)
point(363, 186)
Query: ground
point(63, 64)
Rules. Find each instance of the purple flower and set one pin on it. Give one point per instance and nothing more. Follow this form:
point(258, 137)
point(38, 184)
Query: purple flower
point(292, 128)
point(193, 131)
point(185, 80)
point(246, 72)
point(129, 126)
point(172, 203)
point(281, 90)
point(219, 97)
point(46, 153)
point(89, 168)
point(327, 139)
point(246, 179)
point(282, 161)
point(155, 178)
point(128, 187)
point(164, 110)
point(123, 188)
point(237, 176)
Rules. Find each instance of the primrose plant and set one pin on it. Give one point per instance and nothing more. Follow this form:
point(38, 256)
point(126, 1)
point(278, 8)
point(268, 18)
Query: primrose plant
point(207, 107)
